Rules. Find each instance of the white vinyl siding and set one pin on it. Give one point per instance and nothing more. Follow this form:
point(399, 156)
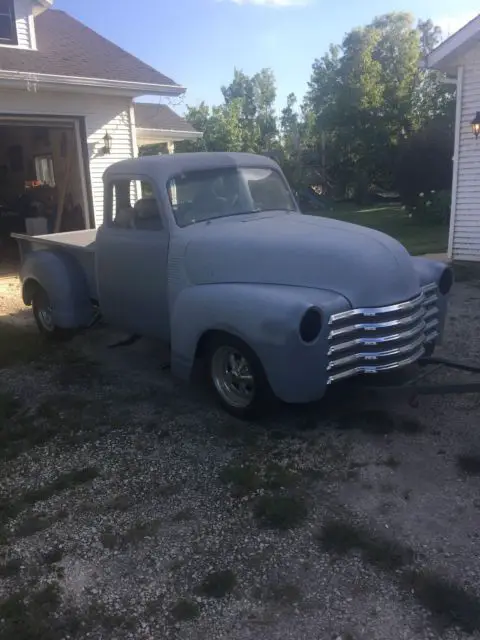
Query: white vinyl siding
point(102, 114)
point(23, 9)
point(24, 25)
point(466, 214)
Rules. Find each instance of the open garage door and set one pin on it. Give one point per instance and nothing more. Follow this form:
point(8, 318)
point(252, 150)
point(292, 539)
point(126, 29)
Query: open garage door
point(43, 177)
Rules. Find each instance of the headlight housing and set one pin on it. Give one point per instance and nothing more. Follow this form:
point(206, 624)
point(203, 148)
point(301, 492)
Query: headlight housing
point(310, 325)
point(446, 281)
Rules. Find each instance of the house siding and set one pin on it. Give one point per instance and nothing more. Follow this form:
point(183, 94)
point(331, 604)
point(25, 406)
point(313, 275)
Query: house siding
point(101, 113)
point(23, 11)
point(465, 232)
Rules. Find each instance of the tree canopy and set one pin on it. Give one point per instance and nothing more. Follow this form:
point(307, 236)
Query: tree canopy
point(368, 106)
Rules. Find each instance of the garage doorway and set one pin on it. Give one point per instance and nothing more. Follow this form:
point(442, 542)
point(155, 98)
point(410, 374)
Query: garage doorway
point(43, 178)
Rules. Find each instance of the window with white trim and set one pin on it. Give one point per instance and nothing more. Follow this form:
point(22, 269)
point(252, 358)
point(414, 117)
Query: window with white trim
point(8, 27)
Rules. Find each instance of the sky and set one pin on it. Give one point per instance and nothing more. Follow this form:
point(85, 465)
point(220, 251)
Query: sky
point(198, 43)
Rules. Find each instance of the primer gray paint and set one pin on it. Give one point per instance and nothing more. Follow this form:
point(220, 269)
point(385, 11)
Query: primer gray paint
point(253, 276)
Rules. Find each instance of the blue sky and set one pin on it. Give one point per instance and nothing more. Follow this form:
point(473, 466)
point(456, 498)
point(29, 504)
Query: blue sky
point(199, 42)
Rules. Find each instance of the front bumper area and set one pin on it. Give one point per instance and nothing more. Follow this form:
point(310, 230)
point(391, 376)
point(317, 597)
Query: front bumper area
point(376, 339)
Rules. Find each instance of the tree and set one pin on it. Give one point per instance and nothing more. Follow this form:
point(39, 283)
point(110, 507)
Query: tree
point(367, 104)
point(221, 127)
point(369, 94)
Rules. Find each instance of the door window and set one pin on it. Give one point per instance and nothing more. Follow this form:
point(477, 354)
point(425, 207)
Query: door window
point(134, 206)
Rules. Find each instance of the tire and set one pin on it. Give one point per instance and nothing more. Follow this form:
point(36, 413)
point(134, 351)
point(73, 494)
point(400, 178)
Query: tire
point(42, 312)
point(249, 398)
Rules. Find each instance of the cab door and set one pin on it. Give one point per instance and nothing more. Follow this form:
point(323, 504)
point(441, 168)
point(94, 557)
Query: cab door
point(132, 259)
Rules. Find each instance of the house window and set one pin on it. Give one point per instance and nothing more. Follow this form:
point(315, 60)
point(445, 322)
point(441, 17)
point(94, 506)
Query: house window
point(44, 170)
point(8, 28)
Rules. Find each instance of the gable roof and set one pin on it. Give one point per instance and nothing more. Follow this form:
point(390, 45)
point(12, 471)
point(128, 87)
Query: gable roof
point(445, 57)
point(66, 47)
point(160, 116)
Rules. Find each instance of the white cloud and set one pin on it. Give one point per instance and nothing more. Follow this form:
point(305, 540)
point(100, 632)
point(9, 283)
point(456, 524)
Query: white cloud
point(273, 3)
point(449, 24)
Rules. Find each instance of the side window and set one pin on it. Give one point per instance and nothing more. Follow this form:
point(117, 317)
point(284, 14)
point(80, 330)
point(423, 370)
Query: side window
point(134, 206)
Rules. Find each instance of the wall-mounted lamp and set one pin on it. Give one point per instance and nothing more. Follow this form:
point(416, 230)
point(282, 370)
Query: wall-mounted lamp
point(107, 139)
point(476, 125)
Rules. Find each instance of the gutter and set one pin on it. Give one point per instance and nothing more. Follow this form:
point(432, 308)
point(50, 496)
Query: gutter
point(42, 5)
point(117, 87)
point(172, 134)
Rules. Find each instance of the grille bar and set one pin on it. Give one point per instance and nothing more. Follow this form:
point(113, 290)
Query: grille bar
point(375, 326)
point(377, 368)
point(401, 306)
point(382, 338)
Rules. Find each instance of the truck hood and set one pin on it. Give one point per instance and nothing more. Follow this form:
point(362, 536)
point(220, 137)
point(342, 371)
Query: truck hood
point(365, 266)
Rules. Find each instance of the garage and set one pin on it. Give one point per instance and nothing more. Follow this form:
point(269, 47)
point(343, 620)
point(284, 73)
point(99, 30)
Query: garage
point(43, 171)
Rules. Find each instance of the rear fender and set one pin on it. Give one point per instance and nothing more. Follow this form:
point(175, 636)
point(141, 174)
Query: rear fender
point(64, 282)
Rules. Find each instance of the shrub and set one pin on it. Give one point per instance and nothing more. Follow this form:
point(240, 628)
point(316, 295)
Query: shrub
point(424, 162)
point(432, 207)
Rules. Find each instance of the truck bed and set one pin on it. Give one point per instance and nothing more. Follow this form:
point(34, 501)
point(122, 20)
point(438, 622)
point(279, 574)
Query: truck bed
point(79, 244)
point(77, 240)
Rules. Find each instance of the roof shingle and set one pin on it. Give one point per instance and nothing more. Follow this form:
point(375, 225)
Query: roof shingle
point(67, 47)
point(160, 116)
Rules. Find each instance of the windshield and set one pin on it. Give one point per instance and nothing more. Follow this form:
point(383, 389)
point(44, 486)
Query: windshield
point(197, 196)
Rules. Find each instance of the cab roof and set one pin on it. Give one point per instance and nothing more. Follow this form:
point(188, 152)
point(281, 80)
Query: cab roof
point(167, 166)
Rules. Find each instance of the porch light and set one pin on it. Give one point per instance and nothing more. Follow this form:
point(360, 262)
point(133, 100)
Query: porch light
point(476, 125)
point(107, 139)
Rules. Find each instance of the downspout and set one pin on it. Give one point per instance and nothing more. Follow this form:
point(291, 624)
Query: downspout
point(456, 154)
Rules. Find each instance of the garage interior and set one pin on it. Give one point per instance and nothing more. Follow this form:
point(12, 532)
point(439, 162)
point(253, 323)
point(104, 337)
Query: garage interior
point(42, 182)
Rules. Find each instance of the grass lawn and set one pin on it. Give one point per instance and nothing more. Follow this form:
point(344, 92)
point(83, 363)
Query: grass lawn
point(394, 221)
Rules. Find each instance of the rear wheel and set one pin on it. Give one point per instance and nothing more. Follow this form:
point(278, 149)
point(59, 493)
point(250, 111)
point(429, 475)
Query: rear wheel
point(43, 314)
point(237, 377)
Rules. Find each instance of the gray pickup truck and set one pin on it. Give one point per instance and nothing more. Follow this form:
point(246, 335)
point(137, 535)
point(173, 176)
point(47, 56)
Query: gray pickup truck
point(210, 253)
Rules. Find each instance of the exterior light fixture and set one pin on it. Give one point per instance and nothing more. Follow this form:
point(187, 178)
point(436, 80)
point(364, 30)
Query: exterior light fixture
point(107, 139)
point(476, 125)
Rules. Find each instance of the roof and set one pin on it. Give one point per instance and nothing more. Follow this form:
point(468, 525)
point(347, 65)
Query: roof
point(160, 116)
point(66, 47)
point(166, 166)
point(446, 56)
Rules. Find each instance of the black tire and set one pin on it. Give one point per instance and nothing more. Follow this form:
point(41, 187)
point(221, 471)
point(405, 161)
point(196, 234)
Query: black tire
point(262, 399)
point(41, 308)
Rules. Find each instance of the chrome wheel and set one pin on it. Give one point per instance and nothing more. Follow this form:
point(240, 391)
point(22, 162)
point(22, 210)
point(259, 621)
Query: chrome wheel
point(45, 316)
point(232, 377)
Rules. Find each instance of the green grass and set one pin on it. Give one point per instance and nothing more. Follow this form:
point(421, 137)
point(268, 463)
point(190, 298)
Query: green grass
point(70, 480)
point(185, 610)
point(19, 345)
point(133, 536)
point(245, 478)
point(280, 511)
point(394, 221)
point(218, 584)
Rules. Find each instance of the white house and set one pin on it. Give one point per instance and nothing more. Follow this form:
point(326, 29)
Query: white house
point(459, 58)
point(67, 110)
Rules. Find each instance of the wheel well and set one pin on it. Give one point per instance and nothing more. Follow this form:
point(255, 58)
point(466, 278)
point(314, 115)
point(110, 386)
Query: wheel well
point(205, 338)
point(30, 286)
point(208, 335)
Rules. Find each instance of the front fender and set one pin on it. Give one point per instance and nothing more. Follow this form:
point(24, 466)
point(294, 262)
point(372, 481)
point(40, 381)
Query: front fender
point(64, 282)
point(267, 318)
point(430, 271)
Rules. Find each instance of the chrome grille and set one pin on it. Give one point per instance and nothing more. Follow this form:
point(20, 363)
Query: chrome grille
point(378, 339)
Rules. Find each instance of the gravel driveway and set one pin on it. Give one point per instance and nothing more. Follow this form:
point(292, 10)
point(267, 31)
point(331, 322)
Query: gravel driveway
point(132, 508)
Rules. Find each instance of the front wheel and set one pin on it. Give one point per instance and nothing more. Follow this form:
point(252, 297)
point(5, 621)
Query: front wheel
point(237, 377)
point(43, 314)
